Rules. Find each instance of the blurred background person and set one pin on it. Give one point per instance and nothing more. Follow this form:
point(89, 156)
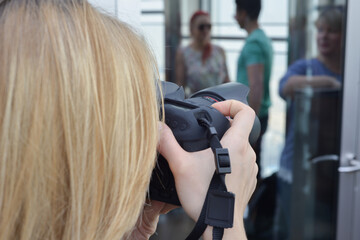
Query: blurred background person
point(201, 64)
point(255, 64)
point(322, 71)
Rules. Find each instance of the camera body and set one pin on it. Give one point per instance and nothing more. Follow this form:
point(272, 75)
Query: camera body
point(182, 116)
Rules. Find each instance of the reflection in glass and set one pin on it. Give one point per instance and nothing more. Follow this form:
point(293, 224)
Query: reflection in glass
point(307, 179)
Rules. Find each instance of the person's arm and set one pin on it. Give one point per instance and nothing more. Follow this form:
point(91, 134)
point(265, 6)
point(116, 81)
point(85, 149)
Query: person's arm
point(226, 79)
point(180, 68)
point(193, 171)
point(254, 60)
point(255, 74)
point(299, 81)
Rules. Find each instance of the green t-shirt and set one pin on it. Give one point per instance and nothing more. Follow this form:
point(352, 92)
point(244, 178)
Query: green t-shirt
point(257, 50)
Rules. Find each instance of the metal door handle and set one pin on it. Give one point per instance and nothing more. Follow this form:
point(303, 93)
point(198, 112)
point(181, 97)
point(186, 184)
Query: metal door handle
point(330, 157)
point(354, 165)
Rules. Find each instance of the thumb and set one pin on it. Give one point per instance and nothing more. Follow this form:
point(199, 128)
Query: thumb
point(168, 147)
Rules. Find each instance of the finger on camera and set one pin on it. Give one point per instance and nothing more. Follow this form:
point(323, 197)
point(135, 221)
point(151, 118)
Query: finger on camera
point(243, 116)
point(168, 146)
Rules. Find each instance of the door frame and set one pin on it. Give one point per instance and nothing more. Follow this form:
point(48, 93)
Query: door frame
point(348, 220)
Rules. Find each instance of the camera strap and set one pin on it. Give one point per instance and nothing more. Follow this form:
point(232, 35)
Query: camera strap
point(218, 208)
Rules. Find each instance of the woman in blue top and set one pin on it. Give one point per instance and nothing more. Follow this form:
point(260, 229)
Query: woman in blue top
point(323, 71)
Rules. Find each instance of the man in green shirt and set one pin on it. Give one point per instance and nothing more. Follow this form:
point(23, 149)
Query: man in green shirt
point(254, 64)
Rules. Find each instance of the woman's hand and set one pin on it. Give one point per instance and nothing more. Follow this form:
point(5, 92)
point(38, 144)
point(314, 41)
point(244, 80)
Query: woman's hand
point(330, 82)
point(193, 171)
point(147, 222)
point(300, 81)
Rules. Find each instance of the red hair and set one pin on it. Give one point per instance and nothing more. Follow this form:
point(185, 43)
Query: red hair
point(207, 49)
point(197, 14)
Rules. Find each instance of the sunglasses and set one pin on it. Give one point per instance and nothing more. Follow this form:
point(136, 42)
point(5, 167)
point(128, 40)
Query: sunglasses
point(202, 27)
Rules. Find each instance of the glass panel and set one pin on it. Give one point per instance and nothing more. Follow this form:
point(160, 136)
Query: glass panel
point(296, 199)
point(153, 26)
point(307, 179)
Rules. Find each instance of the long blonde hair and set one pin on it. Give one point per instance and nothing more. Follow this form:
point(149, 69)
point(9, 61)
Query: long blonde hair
point(78, 121)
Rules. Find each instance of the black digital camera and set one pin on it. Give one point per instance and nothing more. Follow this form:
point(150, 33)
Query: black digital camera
point(182, 116)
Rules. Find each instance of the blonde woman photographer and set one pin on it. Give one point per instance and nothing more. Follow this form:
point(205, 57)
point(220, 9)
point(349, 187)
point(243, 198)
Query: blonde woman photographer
point(79, 130)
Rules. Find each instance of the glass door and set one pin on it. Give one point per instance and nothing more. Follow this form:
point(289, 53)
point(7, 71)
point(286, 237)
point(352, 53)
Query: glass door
point(308, 177)
point(315, 193)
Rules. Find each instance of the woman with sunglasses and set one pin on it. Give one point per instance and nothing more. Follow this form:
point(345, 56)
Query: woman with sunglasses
point(200, 64)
